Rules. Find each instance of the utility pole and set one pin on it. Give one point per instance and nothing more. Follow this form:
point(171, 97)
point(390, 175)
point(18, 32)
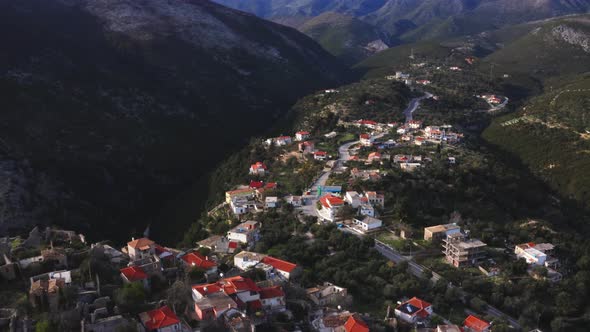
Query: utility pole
point(491, 72)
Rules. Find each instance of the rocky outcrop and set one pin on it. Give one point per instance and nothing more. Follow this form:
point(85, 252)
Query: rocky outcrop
point(572, 36)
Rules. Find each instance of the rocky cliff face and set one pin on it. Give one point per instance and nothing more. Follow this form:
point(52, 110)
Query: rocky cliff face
point(572, 36)
point(121, 105)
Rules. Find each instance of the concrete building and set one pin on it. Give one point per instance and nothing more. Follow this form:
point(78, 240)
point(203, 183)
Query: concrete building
point(462, 252)
point(440, 232)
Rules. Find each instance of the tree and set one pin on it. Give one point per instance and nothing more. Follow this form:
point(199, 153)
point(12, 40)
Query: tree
point(196, 275)
point(45, 325)
point(130, 297)
point(178, 296)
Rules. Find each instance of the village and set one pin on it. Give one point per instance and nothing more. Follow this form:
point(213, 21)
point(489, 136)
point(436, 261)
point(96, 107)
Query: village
point(101, 287)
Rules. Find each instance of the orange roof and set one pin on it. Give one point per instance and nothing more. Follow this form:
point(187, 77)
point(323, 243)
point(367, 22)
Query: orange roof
point(302, 133)
point(158, 318)
point(476, 324)
point(355, 324)
point(320, 153)
point(142, 243)
point(329, 201)
point(374, 154)
point(258, 165)
point(279, 264)
point(134, 273)
point(365, 136)
point(198, 260)
point(415, 306)
point(271, 292)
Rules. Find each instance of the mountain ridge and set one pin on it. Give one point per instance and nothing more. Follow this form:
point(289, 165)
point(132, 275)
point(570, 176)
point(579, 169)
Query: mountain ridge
point(136, 103)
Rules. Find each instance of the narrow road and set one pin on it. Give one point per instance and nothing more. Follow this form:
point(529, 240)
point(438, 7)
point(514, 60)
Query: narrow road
point(419, 271)
point(413, 106)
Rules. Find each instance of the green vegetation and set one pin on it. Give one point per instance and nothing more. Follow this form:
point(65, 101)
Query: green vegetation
point(341, 35)
point(549, 136)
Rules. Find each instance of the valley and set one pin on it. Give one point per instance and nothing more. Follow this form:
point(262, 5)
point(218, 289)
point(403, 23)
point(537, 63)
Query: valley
point(305, 165)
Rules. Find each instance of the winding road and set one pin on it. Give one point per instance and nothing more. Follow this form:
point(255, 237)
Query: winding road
point(413, 106)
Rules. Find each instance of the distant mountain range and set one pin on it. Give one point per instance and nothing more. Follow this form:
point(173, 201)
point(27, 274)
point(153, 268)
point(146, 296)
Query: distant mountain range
point(111, 108)
point(404, 21)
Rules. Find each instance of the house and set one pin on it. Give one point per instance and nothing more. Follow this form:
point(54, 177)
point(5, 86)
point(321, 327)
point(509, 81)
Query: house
point(474, 324)
point(461, 252)
point(454, 68)
point(246, 260)
point(374, 156)
point(401, 130)
point(367, 123)
point(306, 147)
point(273, 298)
point(423, 82)
point(218, 243)
point(440, 232)
point(415, 124)
point(368, 223)
point(301, 135)
point(375, 199)
point(132, 274)
point(256, 184)
point(246, 193)
point(366, 139)
point(320, 155)
point(367, 210)
point(409, 167)
point(286, 269)
point(283, 140)
point(140, 248)
point(246, 233)
point(56, 255)
point(160, 320)
point(195, 259)
point(326, 294)
point(213, 300)
point(355, 324)
point(45, 293)
point(331, 134)
point(296, 201)
point(414, 310)
point(213, 305)
point(536, 254)
point(330, 205)
point(353, 198)
point(258, 168)
point(271, 202)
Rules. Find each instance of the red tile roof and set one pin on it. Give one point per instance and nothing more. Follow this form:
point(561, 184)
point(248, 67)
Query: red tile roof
point(365, 136)
point(233, 245)
point(270, 185)
point(159, 318)
point(320, 153)
point(207, 289)
point(142, 243)
point(330, 200)
point(256, 184)
point(418, 307)
point(302, 133)
point(367, 122)
point(198, 260)
point(279, 264)
point(476, 324)
point(355, 324)
point(271, 292)
point(134, 273)
point(374, 155)
point(258, 165)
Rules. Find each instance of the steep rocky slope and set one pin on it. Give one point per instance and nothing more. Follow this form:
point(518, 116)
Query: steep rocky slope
point(120, 105)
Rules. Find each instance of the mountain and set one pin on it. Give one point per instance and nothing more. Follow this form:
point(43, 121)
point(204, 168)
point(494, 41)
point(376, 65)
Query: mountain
point(550, 136)
point(112, 108)
point(346, 37)
point(536, 49)
point(416, 20)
